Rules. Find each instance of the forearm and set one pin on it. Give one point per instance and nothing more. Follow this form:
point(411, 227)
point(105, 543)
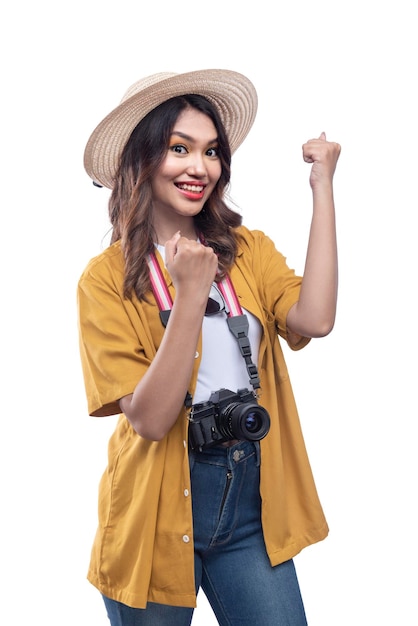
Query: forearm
point(157, 400)
point(314, 314)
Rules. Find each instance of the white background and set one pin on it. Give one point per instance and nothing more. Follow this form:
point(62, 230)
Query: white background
point(347, 68)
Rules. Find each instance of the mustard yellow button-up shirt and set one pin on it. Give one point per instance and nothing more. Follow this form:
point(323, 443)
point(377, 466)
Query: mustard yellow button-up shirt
point(143, 549)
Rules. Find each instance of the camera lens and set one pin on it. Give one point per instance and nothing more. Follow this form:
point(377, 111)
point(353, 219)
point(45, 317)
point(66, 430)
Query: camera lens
point(246, 420)
point(253, 422)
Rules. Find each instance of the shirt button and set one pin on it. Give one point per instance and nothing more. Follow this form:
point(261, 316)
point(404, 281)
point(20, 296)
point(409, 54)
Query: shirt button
point(186, 538)
point(186, 492)
point(196, 355)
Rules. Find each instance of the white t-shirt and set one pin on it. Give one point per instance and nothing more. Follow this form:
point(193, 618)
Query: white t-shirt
point(222, 364)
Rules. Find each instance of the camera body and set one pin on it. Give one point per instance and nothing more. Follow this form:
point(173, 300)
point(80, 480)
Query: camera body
point(226, 416)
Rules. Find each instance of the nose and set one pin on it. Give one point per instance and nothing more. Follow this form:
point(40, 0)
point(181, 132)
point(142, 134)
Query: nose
point(196, 166)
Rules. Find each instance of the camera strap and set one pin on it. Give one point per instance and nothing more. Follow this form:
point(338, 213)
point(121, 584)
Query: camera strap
point(237, 321)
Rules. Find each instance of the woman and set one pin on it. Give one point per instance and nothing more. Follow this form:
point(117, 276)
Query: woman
point(208, 482)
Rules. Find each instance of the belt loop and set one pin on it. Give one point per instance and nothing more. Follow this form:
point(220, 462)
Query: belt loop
point(258, 453)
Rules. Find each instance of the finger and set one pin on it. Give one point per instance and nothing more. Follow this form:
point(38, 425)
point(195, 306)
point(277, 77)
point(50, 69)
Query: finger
point(322, 137)
point(171, 245)
point(174, 239)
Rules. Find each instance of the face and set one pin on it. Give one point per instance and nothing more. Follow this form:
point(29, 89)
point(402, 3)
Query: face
point(190, 170)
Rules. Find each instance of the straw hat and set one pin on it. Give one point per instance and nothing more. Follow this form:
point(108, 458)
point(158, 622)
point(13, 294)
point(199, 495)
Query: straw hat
point(232, 93)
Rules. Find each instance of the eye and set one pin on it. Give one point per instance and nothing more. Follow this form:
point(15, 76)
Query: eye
point(212, 152)
point(178, 148)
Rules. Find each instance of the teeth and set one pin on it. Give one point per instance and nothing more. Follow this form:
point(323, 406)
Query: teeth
point(194, 188)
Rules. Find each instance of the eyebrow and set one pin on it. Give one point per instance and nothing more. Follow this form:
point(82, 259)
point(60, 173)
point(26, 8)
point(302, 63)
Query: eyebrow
point(188, 138)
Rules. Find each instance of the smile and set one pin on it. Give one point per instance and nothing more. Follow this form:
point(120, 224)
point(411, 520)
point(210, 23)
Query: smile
point(192, 188)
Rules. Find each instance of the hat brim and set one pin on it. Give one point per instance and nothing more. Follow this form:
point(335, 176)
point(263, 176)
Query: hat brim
point(232, 93)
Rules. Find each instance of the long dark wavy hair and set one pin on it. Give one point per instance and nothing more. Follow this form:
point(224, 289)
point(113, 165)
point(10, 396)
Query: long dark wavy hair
point(130, 203)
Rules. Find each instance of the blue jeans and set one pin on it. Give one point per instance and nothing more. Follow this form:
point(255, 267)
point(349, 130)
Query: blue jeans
point(231, 563)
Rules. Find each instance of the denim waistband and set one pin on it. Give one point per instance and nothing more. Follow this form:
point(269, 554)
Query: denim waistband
point(230, 455)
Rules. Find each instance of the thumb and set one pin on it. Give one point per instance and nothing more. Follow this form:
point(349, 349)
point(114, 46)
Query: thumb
point(323, 136)
point(174, 239)
point(171, 246)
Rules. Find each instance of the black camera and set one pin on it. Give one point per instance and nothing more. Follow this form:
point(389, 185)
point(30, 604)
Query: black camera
point(225, 416)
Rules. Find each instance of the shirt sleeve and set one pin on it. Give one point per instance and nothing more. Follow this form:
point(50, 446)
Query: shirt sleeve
point(278, 284)
point(112, 356)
